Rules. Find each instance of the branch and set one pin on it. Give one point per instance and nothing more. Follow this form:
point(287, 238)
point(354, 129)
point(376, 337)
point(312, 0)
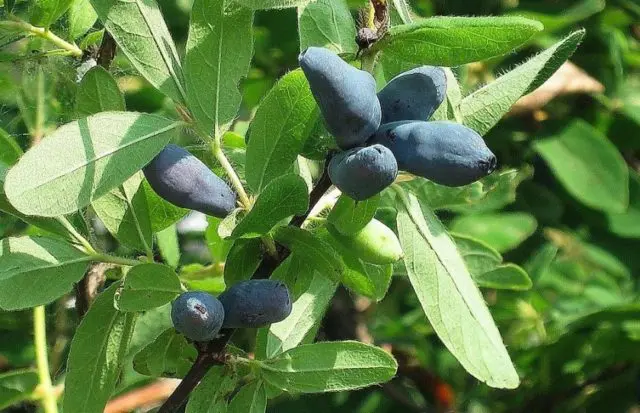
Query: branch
point(87, 288)
point(21, 25)
point(213, 352)
point(107, 51)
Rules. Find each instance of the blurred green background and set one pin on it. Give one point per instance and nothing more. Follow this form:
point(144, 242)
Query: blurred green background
point(571, 218)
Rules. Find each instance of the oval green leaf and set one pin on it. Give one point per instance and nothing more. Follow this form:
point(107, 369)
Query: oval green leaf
point(329, 366)
point(37, 270)
point(148, 286)
point(84, 160)
point(452, 302)
point(588, 166)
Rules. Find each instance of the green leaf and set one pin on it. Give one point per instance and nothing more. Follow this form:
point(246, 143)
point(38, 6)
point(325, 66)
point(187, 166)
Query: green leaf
point(162, 213)
point(125, 214)
point(327, 23)
point(568, 17)
point(17, 386)
point(404, 11)
point(96, 355)
point(169, 355)
point(282, 123)
point(48, 224)
point(478, 256)
point(148, 286)
point(282, 198)
point(243, 260)
point(46, 12)
point(307, 311)
point(362, 278)
point(142, 35)
point(84, 160)
point(482, 109)
point(453, 304)
point(502, 231)
point(627, 224)
point(169, 245)
point(271, 4)
point(98, 92)
point(252, 398)
point(369, 280)
point(37, 270)
point(82, 17)
point(218, 247)
point(493, 192)
point(431, 41)
point(329, 366)
point(505, 277)
point(199, 277)
point(588, 166)
point(349, 216)
point(211, 394)
point(320, 255)
point(219, 50)
point(10, 151)
point(149, 326)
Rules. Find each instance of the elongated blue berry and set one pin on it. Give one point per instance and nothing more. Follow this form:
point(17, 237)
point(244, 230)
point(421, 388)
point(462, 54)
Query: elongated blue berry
point(255, 303)
point(346, 96)
point(444, 152)
point(413, 95)
point(182, 179)
point(363, 172)
point(197, 315)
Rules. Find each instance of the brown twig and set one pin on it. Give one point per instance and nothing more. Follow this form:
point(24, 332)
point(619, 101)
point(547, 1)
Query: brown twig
point(87, 288)
point(107, 51)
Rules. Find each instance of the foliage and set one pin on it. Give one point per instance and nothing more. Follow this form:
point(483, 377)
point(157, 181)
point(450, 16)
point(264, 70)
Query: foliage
point(525, 280)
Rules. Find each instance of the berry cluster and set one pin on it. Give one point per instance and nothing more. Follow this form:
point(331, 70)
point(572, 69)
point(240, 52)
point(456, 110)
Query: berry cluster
point(247, 304)
point(382, 132)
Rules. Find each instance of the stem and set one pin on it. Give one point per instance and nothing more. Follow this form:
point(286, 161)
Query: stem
point(18, 24)
point(75, 234)
point(115, 260)
point(324, 183)
point(49, 403)
point(148, 250)
point(38, 131)
point(216, 148)
point(270, 245)
point(31, 56)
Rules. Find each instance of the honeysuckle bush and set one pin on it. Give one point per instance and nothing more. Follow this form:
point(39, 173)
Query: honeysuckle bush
point(92, 218)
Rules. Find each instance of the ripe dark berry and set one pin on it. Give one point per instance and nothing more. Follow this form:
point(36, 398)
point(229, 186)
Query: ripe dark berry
point(182, 179)
point(255, 303)
point(361, 173)
point(444, 152)
point(197, 315)
point(413, 95)
point(346, 96)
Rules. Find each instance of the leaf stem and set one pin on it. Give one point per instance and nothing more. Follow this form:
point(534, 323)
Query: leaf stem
point(115, 260)
point(216, 148)
point(147, 248)
point(75, 234)
point(21, 25)
point(49, 403)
